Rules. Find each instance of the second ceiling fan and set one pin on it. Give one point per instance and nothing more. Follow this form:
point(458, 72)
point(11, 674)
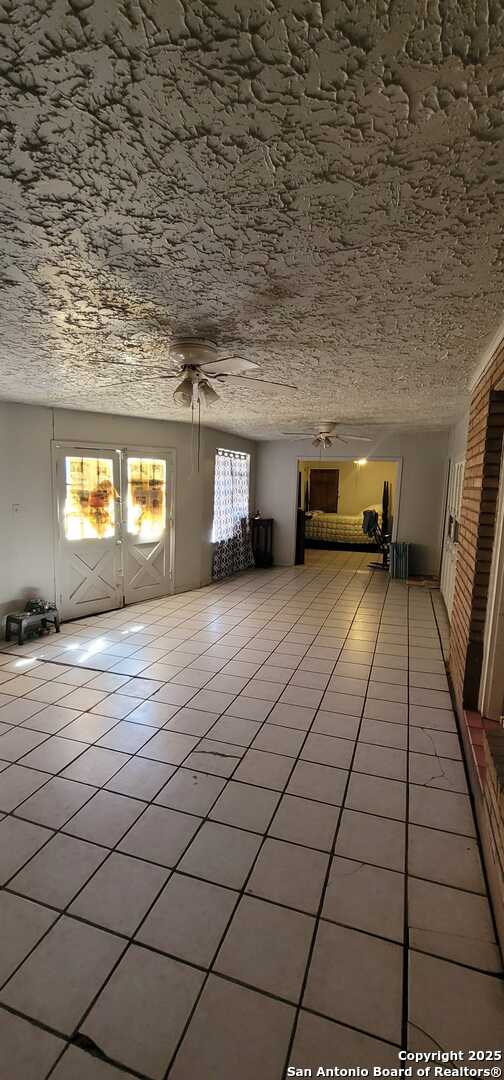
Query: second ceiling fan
point(326, 435)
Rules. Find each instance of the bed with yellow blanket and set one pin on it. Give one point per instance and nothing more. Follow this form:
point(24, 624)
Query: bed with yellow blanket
point(322, 528)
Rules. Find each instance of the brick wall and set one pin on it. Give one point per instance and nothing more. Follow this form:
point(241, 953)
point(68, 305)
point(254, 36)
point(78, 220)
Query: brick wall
point(474, 558)
point(477, 523)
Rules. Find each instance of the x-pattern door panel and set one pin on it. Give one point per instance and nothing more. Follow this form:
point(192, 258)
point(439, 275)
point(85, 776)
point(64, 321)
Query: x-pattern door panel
point(145, 566)
point(91, 575)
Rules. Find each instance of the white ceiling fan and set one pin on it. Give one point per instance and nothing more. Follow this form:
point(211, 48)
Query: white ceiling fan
point(326, 435)
point(198, 363)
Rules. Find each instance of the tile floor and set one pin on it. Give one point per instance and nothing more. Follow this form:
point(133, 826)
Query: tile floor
point(236, 834)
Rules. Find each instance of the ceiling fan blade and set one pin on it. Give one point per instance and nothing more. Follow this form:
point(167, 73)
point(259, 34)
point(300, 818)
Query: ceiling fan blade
point(229, 365)
point(348, 435)
point(265, 382)
point(299, 434)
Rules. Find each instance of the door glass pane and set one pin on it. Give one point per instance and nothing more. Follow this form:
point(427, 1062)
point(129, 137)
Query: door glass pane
point(89, 511)
point(146, 508)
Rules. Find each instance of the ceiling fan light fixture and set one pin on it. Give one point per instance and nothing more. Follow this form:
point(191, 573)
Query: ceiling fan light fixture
point(183, 394)
point(208, 394)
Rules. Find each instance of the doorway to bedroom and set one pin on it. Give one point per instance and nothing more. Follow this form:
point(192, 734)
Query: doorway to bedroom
point(332, 497)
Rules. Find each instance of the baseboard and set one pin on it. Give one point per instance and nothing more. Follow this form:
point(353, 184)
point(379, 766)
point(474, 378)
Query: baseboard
point(492, 873)
point(335, 545)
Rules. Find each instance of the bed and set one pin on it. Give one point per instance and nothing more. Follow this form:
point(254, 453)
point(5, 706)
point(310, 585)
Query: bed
point(345, 530)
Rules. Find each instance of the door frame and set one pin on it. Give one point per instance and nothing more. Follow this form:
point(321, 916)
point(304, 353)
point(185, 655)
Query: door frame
point(99, 444)
point(491, 691)
point(453, 465)
point(395, 460)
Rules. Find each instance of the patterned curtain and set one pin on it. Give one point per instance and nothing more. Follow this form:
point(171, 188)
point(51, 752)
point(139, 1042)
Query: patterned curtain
point(231, 531)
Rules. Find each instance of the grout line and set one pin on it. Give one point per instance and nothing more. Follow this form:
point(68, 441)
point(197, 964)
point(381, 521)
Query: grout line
point(406, 947)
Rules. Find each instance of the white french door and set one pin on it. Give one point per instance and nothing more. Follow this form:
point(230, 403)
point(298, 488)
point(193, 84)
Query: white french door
point(450, 545)
point(147, 496)
point(114, 515)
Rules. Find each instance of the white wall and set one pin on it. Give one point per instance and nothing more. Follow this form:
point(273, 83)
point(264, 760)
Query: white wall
point(26, 532)
point(26, 501)
point(423, 487)
point(458, 438)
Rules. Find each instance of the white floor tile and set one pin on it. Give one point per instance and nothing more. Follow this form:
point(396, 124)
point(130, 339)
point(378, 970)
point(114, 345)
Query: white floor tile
point(235, 1032)
point(17, 783)
point(356, 979)
point(27, 1051)
point(105, 818)
point(189, 919)
point(365, 897)
point(160, 835)
point(23, 924)
point(245, 806)
point(71, 963)
point(54, 803)
point(319, 1042)
point(267, 948)
point(288, 874)
point(465, 1011)
point(221, 854)
point(190, 791)
point(56, 873)
point(445, 857)
point(95, 766)
point(120, 893)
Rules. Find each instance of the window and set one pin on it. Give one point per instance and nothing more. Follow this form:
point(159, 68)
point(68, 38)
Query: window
point(89, 511)
point(146, 498)
point(231, 493)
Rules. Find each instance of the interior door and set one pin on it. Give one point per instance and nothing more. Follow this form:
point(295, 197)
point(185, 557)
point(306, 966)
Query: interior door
point(450, 545)
point(88, 560)
point(147, 519)
point(324, 485)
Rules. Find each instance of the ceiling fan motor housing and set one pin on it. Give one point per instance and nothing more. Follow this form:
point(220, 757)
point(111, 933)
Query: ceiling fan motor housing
point(193, 352)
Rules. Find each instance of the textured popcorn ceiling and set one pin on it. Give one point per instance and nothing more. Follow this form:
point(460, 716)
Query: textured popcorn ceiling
point(317, 186)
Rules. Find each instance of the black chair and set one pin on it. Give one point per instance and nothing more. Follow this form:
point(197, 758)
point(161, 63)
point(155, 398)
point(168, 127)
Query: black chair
point(371, 528)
